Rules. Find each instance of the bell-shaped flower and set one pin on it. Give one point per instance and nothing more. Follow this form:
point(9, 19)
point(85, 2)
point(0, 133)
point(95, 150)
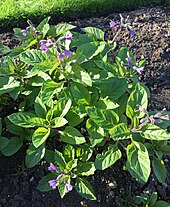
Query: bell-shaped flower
point(53, 167)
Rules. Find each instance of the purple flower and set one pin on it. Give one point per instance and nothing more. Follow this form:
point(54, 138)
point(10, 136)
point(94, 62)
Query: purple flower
point(37, 32)
point(67, 53)
point(53, 167)
point(25, 31)
point(43, 42)
point(138, 69)
point(61, 56)
point(132, 33)
point(128, 59)
point(53, 183)
point(69, 36)
point(69, 187)
point(45, 48)
point(112, 23)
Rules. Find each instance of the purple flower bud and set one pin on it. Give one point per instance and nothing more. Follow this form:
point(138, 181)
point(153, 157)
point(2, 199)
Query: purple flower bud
point(69, 187)
point(45, 48)
point(61, 56)
point(53, 167)
point(67, 53)
point(69, 36)
point(112, 24)
point(53, 183)
point(123, 64)
point(132, 33)
point(37, 32)
point(128, 59)
point(138, 69)
point(43, 42)
point(157, 120)
point(24, 31)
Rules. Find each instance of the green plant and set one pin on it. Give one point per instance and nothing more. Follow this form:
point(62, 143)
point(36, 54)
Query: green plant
point(93, 108)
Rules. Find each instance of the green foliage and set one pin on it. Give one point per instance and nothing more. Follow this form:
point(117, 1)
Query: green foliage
point(93, 107)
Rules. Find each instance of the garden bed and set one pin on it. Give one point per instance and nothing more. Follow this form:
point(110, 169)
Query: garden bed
point(152, 43)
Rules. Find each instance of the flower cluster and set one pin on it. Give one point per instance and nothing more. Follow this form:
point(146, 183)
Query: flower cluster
point(124, 23)
point(53, 183)
point(30, 27)
point(129, 64)
point(62, 52)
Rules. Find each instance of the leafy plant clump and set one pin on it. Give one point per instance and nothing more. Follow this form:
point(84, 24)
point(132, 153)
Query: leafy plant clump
point(77, 108)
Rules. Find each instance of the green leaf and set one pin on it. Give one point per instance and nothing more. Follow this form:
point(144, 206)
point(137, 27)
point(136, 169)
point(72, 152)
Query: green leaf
point(62, 188)
point(96, 133)
point(103, 118)
point(14, 144)
point(113, 87)
point(49, 156)
point(84, 188)
point(40, 135)
point(159, 169)
point(62, 107)
point(33, 57)
point(49, 88)
point(98, 33)
point(44, 26)
point(137, 97)
point(9, 86)
point(43, 184)
point(85, 168)
point(4, 49)
point(79, 75)
point(72, 136)
point(106, 104)
point(60, 29)
point(161, 204)
point(138, 162)
point(106, 66)
point(34, 155)
point(90, 50)
point(59, 159)
point(40, 108)
point(74, 118)
point(84, 152)
point(58, 122)
point(0, 126)
point(3, 142)
point(120, 132)
point(26, 120)
point(154, 132)
point(69, 152)
point(81, 93)
point(107, 158)
point(70, 165)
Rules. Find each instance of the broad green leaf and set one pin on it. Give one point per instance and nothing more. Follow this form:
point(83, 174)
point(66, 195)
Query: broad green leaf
point(49, 156)
point(4, 49)
point(106, 104)
point(138, 161)
point(165, 149)
point(107, 158)
point(153, 198)
point(96, 133)
point(60, 29)
point(43, 184)
point(90, 50)
point(72, 136)
point(14, 144)
point(39, 79)
point(3, 142)
point(44, 26)
point(154, 132)
point(120, 132)
point(84, 152)
point(26, 120)
point(40, 108)
point(98, 33)
point(62, 188)
point(58, 122)
point(138, 97)
point(59, 159)
point(79, 75)
point(81, 93)
point(62, 107)
point(9, 86)
point(161, 204)
point(85, 168)
point(34, 155)
point(70, 165)
point(113, 87)
point(159, 169)
point(40, 135)
point(49, 88)
point(103, 118)
point(33, 57)
point(69, 152)
point(106, 66)
point(74, 118)
point(84, 188)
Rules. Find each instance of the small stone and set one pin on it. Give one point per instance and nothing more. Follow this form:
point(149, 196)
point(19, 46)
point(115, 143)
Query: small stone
point(112, 185)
